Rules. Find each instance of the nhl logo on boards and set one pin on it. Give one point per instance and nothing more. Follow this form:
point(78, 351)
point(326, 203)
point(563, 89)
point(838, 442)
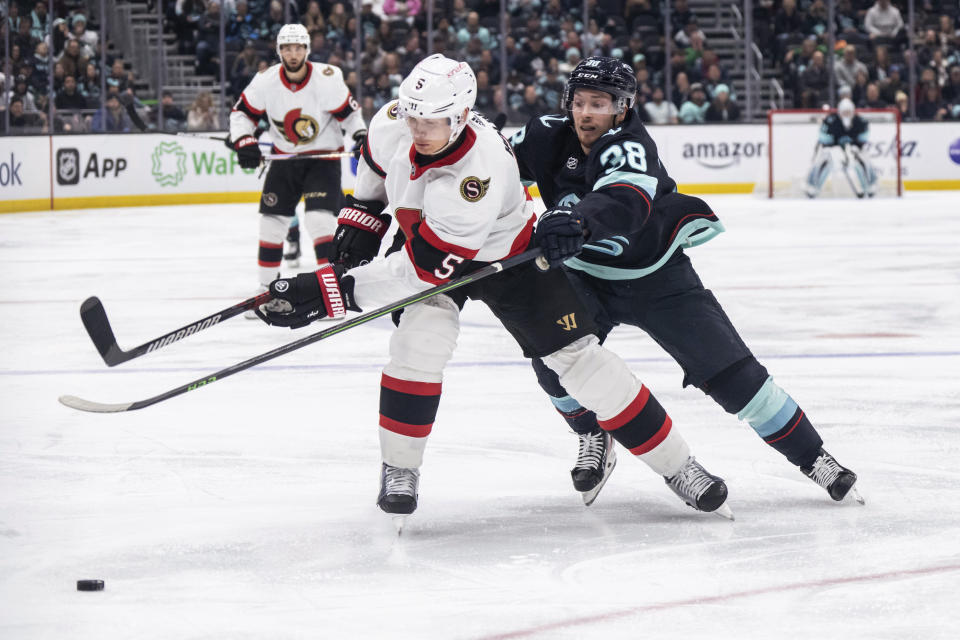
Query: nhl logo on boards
point(68, 166)
point(473, 188)
point(270, 199)
point(572, 163)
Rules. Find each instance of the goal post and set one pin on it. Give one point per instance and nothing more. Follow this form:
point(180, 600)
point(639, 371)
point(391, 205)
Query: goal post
point(791, 142)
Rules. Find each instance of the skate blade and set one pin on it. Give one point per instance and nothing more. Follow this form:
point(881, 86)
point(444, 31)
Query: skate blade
point(291, 264)
point(856, 496)
point(724, 511)
point(398, 523)
point(590, 496)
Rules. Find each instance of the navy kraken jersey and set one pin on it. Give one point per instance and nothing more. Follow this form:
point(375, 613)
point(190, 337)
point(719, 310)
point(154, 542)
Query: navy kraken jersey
point(634, 216)
point(833, 133)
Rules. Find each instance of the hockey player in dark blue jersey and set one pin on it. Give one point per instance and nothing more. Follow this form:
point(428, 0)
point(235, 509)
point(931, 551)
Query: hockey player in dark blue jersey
point(841, 139)
point(617, 224)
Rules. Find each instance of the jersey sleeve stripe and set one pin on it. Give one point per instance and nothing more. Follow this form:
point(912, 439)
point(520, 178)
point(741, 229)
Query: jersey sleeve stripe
point(368, 157)
point(522, 240)
point(437, 242)
point(617, 178)
point(422, 274)
point(244, 107)
point(344, 110)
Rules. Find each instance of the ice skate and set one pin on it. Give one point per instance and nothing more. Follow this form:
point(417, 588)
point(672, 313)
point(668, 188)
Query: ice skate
point(398, 493)
point(832, 476)
point(700, 489)
point(596, 459)
point(291, 254)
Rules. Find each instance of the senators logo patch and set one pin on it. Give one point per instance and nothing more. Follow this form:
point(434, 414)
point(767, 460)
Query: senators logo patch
point(297, 127)
point(473, 188)
point(394, 111)
point(328, 71)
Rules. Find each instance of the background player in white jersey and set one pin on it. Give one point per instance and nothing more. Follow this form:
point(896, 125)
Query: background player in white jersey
point(453, 184)
point(841, 139)
point(310, 111)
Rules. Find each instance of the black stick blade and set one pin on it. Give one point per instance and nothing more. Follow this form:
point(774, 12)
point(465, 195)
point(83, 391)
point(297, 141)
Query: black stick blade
point(94, 318)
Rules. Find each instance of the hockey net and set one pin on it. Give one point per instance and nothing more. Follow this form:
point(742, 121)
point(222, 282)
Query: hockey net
point(792, 139)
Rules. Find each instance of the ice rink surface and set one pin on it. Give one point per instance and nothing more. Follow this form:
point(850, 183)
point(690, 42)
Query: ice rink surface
point(246, 509)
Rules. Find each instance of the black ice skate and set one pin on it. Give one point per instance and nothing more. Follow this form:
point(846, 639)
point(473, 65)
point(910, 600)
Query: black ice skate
point(596, 459)
point(291, 256)
point(398, 493)
point(700, 489)
point(832, 476)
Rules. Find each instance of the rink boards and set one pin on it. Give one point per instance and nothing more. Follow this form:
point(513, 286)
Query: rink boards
point(81, 171)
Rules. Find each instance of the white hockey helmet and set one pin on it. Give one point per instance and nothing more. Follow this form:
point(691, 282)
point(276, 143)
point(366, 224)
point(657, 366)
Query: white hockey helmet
point(439, 87)
point(293, 34)
point(846, 111)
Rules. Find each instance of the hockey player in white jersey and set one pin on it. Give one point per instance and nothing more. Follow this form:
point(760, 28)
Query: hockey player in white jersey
point(452, 182)
point(310, 111)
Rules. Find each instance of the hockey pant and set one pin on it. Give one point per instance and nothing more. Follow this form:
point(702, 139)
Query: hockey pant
point(320, 224)
point(423, 344)
point(685, 319)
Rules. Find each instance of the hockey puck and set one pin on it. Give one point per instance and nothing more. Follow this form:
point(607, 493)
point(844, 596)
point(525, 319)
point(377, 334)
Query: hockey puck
point(89, 585)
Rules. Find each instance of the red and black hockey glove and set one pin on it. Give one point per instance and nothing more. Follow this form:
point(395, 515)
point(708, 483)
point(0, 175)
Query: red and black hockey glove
point(307, 297)
point(248, 152)
point(559, 234)
point(361, 225)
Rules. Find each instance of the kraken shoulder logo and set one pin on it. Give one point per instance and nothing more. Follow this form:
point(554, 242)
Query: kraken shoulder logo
point(394, 111)
point(473, 188)
point(572, 163)
point(297, 127)
point(169, 164)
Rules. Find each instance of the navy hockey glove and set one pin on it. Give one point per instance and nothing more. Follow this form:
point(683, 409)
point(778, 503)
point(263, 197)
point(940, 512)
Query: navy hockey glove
point(248, 152)
point(559, 234)
point(307, 297)
point(361, 225)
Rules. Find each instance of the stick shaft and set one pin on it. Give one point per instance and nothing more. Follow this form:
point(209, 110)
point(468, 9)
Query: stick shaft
point(486, 271)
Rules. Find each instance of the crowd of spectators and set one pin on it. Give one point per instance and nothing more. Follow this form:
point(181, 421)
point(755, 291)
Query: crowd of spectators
point(871, 57)
point(66, 40)
point(543, 40)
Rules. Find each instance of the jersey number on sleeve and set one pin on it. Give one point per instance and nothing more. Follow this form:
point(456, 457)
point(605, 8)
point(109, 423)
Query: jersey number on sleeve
point(446, 268)
point(630, 153)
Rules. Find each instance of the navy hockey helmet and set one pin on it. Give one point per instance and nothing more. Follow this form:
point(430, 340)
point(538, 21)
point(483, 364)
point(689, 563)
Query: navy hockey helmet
point(603, 74)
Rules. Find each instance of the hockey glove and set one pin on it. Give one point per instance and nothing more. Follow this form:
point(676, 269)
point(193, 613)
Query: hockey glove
point(359, 138)
point(309, 296)
point(248, 152)
point(559, 234)
point(361, 225)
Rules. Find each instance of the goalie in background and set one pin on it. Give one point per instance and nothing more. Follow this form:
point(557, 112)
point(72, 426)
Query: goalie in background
point(842, 136)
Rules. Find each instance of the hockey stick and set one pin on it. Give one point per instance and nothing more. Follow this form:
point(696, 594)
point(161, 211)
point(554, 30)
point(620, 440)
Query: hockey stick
point(312, 156)
point(95, 321)
point(491, 269)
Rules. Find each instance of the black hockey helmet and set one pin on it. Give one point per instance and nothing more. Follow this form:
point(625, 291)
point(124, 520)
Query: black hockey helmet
point(603, 74)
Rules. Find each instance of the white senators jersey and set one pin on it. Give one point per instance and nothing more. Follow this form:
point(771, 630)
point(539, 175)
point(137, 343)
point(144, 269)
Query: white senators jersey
point(304, 117)
point(464, 205)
